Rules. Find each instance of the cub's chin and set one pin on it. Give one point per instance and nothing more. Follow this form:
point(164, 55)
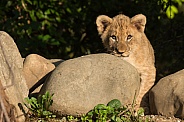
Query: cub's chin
point(125, 54)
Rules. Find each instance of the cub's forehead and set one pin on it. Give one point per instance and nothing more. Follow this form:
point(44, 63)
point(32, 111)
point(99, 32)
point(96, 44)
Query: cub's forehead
point(121, 21)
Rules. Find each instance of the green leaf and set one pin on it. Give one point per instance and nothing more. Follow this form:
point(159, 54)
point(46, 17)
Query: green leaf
point(47, 12)
point(90, 113)
point(40, 14)
point(68, 10)
point(171, 11)
point(115, 103)
point(179, 2)
point(46, 38)
point(174, 9)
point(54, 42)
point(32, 15)
point(110, 109)
point(29, 1)
point(46, 113)
point(100, 106)
point(79, 10)
point(140, 112)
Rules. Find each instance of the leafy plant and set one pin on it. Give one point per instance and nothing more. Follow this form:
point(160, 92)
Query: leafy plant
point(114, 112)
point(40, 107)
point(170, 7)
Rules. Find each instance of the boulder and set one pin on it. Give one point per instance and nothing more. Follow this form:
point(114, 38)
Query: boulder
point(167, 96)
point(36, 67)
point(81, 83)
point(11, 65)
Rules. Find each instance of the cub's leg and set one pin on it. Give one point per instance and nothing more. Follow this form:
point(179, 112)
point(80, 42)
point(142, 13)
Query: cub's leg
point(147, 81)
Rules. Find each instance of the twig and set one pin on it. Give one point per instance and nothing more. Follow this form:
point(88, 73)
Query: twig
point(4, 110)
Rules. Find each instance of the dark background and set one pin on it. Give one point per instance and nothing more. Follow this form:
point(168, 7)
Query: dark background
point(66, 29)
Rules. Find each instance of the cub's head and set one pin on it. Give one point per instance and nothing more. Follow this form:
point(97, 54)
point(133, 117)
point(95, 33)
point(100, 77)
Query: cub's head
point(120, 32)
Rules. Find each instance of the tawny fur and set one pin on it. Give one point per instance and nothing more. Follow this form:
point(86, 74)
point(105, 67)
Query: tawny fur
point(124, 37)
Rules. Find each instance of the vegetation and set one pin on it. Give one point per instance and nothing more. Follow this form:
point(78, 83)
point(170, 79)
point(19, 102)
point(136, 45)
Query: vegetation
point(114, 111)
point(40, 107)
point(66, 28)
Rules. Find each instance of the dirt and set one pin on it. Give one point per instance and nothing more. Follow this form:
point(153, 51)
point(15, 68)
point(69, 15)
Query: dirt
point(149, 118)
point(158, 118)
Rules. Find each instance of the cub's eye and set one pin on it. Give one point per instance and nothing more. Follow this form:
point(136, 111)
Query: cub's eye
point(113, 37)
point(129, 37)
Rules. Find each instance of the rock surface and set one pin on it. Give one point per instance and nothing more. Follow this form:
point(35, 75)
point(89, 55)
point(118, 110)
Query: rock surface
point(36, 67)
point(81, 83)
point(11, 65)
point(167, 96)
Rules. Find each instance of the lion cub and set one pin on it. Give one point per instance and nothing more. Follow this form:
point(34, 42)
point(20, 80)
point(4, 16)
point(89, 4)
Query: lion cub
point(124, 37)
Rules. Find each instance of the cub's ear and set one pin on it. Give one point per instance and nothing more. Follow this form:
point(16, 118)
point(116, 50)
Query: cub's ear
point(102, 22)
point(139, 21)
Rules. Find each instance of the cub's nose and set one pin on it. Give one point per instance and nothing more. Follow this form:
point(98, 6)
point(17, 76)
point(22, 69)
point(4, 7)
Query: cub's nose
point(121, 48)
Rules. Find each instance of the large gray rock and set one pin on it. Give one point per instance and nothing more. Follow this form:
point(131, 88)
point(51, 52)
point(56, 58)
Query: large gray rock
point(167, 96)
point(36, 67)
point(81, 83)
point(11, 77)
